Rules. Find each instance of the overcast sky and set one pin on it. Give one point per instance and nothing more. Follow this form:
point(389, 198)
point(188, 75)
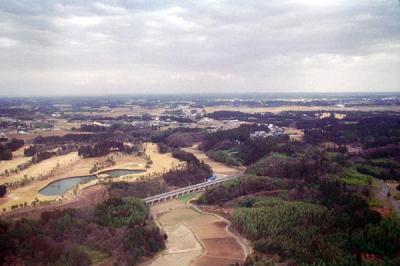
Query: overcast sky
point(144, 46)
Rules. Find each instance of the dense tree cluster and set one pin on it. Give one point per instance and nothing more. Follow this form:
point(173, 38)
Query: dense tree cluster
point(307, 165)
point(176, 118)
point(140, 189)
point(177, 137)
point(3, 190)
point(118, 228)
point(31, 150)
point(227, 156)
point(192, 173)
point(371, 131)
point(79, 138)
point(309, 232)
point(235, 146)
point(7, 149)
point(92, 128)
point(105, 147)
point(233, 115)
point(288, 228)
point(100, 149)
point(242, 186)
point(40, 152)
point(391, 150)
point(321, 222)
point(322, 215)
point(184, 139)
point(236, 135)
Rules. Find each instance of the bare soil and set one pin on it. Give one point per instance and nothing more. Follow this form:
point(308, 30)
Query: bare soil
point(220, 247)
point(214, 261)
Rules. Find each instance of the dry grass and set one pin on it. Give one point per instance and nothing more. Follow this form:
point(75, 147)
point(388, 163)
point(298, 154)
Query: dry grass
point(70, 165)
point(86, 198)
point(18, 158)
point(392, 184)
point(294, 133)
point(127, 110)
point(30, 136)
point(43, 167)
point(217, 167)
point(161, 162)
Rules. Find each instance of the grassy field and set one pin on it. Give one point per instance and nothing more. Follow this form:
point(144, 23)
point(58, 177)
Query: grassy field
point(295, 134)
point(185, 198)
point(352, 177)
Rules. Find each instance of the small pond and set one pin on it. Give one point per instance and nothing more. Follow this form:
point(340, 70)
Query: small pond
point(120, 172)
point(59, 187)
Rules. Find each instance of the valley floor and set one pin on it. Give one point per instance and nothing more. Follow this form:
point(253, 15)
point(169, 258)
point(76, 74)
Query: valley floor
point(194, 237)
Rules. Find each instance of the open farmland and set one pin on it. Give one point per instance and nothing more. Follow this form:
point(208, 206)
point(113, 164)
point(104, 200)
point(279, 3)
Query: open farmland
point(219, 246)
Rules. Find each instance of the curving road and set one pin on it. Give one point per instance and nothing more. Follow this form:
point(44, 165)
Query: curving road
point(385, 193)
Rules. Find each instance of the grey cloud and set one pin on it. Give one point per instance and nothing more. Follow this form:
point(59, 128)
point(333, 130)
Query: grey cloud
point(174, 46)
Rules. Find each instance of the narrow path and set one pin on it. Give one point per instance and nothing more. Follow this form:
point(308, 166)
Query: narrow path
point(396, 206)
point(245, 244)
point(384, 193)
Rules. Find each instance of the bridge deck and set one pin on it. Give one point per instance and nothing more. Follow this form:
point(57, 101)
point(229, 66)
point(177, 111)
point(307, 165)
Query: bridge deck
point(189, 189)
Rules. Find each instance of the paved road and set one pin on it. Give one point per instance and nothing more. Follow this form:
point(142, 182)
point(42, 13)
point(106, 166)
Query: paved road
point(186, 190)
point(384, 188)
point(385, 192)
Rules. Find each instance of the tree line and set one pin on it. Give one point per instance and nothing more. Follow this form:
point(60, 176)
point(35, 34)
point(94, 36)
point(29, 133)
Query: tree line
point(119, 228)
point(195, 171)
point(9, 147)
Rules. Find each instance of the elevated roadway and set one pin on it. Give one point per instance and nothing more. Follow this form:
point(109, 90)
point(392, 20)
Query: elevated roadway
point(187, 190)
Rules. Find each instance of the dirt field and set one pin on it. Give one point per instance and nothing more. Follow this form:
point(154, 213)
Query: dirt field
point(182, 247)
point(28, 137)
point(295, 134)
point(219, 246)
point(217, 167)
point(128, 110)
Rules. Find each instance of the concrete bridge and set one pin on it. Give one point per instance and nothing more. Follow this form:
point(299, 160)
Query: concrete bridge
point(187, 190)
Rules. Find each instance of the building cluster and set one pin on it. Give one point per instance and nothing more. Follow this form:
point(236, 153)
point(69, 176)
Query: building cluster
point(272, 131)
point(3, 137)
point(20, 126)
